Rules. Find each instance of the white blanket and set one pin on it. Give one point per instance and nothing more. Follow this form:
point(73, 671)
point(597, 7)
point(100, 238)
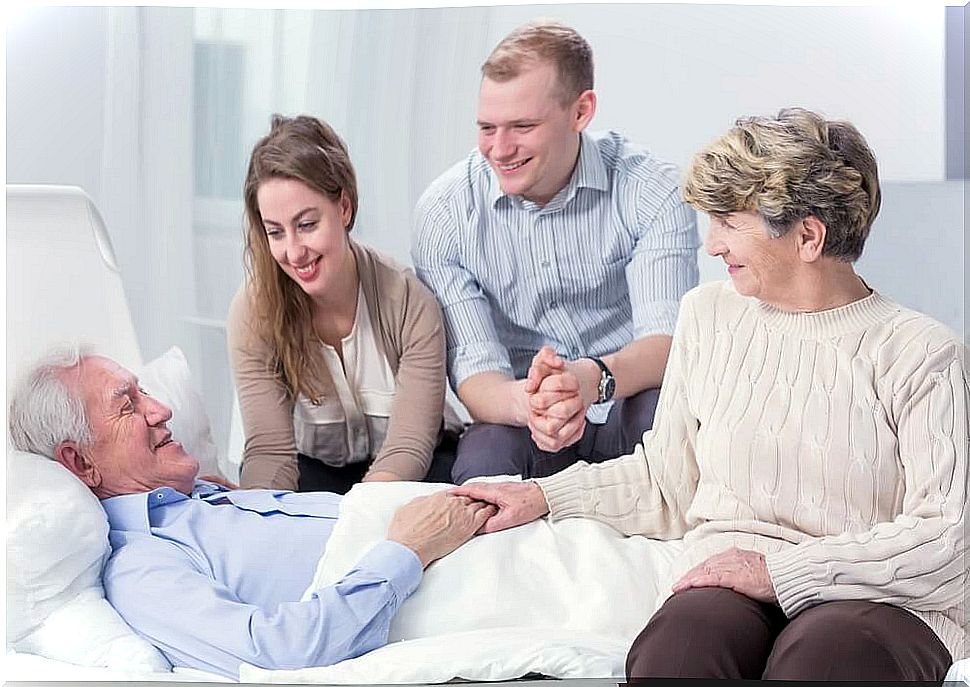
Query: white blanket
point(562, 599)
point(20, 667)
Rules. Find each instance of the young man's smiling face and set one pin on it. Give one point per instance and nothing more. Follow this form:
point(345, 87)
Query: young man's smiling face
point(132, 449)
point(530, 139)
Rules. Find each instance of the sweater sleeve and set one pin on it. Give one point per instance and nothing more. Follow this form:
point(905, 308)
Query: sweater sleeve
point(419, 393)
point(269, 455)
point(650, 490)
point(918, 559)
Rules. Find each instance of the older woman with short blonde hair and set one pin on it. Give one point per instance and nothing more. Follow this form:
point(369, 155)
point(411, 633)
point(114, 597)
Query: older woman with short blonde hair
point(811, 440)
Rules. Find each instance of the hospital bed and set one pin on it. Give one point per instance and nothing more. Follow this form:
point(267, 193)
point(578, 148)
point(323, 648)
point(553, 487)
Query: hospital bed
point(63, 285)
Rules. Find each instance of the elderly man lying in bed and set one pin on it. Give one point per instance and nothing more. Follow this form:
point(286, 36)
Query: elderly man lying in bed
point(213, 577)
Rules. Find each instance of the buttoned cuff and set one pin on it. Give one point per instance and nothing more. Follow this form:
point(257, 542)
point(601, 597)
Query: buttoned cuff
point(396, 563)
point(599, 413)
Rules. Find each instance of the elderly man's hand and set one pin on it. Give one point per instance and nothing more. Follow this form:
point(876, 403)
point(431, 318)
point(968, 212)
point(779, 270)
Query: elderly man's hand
point(557, 409)
point(434, 526)
point(516, 502)
point(739, 569)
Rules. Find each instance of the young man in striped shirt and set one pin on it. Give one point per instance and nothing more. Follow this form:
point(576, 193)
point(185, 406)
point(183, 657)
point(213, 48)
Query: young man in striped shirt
point(559, 258)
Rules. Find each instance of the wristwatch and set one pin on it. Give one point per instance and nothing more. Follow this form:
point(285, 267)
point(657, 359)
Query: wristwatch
point(607, 385)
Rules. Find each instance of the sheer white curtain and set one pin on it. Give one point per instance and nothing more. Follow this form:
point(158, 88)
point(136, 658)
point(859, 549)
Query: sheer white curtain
point(146, 171)
point(399, 86)
point(101, 98)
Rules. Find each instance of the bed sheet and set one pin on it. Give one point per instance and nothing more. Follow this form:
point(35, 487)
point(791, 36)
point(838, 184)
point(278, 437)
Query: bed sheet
point(22, 667)
point(959, 672)
point(25, 667)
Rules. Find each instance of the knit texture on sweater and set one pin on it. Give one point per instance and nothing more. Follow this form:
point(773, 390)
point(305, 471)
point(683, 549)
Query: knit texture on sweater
point(835, 443)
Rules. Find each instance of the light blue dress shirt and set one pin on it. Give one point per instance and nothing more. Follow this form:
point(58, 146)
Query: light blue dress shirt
point(603, 263)
point(215, 580)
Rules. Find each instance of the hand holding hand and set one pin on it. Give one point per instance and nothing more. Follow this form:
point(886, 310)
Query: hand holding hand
point(516, 503)
point(557, 412)
point(544, 363)
point(739, 569)
point(433, 526)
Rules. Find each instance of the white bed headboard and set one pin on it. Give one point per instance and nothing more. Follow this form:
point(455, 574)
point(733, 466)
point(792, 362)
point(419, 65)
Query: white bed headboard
point(63, 284)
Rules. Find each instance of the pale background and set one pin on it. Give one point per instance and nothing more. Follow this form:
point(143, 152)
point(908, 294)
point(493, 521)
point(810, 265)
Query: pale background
point(153, 111)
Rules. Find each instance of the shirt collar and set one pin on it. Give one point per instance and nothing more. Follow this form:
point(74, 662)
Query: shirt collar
point(589, 172)
point(130, 511)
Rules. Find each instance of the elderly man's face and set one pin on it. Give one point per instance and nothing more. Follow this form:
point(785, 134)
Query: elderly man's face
point(133, 450)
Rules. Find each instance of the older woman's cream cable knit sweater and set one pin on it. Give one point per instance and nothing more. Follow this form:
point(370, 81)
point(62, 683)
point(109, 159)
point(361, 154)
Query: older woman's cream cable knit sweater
point(833, 442)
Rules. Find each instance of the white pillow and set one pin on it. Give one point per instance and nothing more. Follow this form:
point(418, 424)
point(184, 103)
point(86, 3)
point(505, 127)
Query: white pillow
point(169, 379)
point(57, 543)
point(57, 540)
point(108, 641)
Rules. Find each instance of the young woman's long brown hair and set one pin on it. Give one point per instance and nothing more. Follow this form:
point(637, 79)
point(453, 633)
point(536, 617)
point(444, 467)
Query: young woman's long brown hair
point(308, 150)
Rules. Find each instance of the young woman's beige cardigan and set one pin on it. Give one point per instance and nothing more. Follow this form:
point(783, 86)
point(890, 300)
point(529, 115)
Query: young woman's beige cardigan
point(410, 333)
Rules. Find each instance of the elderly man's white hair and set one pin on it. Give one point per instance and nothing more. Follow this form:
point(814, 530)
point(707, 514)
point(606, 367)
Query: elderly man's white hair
point(44, 411)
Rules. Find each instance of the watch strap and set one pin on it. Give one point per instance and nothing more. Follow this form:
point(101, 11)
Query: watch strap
point(606, 384)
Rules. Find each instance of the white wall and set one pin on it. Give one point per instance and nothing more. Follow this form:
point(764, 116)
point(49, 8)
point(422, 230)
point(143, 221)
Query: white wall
point(672, 77)
point(676, 76)
point(55, 97)
point(79, 113)
point(93, 99)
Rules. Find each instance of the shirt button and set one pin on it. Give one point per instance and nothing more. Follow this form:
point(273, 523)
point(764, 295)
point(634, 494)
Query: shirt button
point(159, 496)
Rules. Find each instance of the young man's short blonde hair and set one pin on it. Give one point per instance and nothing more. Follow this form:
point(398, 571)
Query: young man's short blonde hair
point(789, 167)
point(544, 41)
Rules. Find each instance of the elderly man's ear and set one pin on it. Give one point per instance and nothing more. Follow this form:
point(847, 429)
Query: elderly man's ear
point(70, 455)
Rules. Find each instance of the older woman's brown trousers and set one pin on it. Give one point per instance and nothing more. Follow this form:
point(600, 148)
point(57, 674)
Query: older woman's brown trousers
point(718, 633)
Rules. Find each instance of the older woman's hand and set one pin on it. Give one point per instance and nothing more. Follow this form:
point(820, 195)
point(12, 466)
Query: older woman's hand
point(739, 569)
point(516, 503)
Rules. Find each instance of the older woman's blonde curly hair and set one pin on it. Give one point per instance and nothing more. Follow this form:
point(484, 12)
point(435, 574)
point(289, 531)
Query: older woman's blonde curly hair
point(789, 167)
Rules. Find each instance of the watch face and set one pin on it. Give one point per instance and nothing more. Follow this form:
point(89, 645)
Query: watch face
point(609, 388)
